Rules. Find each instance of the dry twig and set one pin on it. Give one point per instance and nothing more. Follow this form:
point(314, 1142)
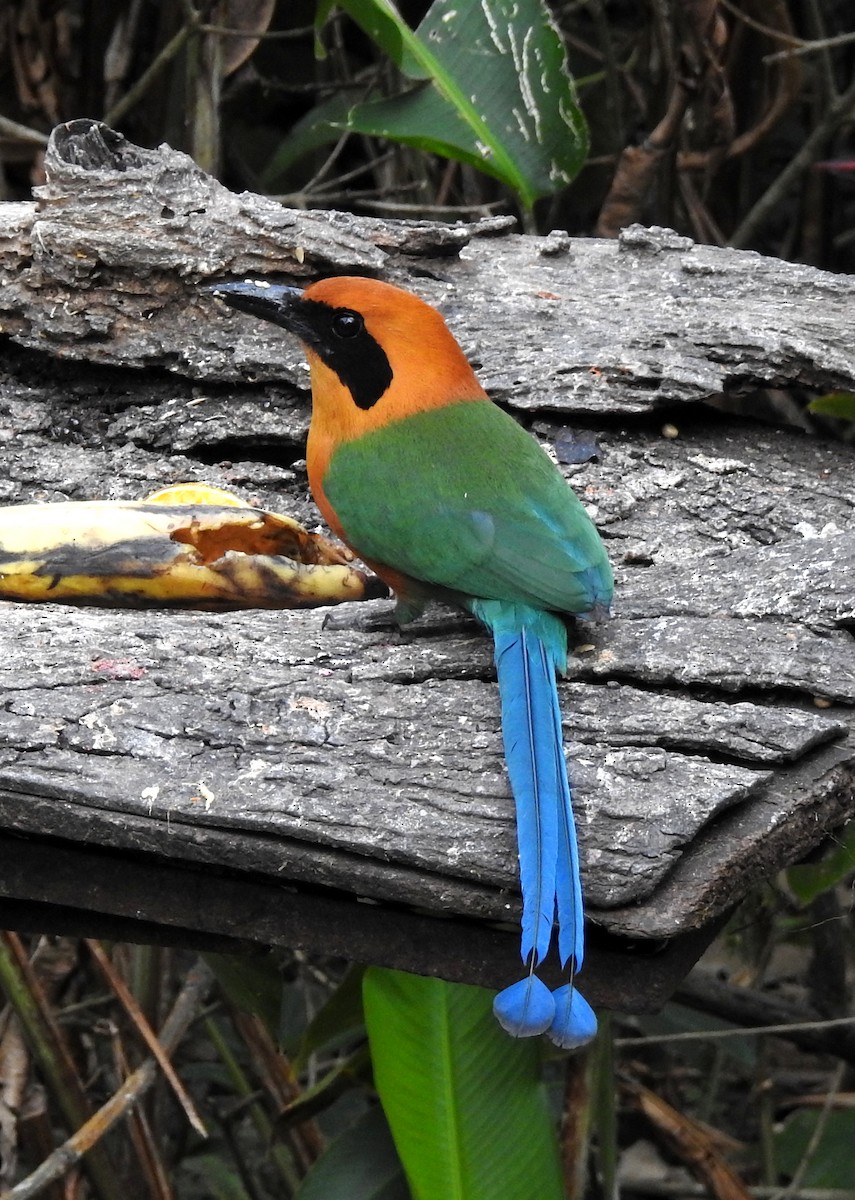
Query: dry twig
point(184, 1012)
point(137, 1016)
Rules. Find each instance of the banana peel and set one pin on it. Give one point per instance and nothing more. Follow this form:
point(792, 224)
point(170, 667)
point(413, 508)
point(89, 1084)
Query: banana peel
point(187, 546)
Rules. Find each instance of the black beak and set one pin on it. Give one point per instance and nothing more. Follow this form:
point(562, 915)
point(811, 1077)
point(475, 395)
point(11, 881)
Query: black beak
point(271, 301)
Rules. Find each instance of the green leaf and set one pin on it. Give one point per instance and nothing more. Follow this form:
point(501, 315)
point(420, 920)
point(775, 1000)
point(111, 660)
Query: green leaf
point(465, 1102)
point(832, 1164)
point(419, 118)
point(809, 880)
point(324, 124)
point(496, 91)
point(835, 404)
point(338, 1021)
point(361, 1164)
point(322, 15)
point(344, 1076)
point(383, 24)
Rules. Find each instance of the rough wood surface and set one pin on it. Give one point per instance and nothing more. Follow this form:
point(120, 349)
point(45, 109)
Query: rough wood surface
point(94, 270)
point(708, 724)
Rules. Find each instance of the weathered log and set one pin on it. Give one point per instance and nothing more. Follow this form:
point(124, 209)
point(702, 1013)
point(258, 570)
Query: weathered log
point(94, 269)
point(313, 757)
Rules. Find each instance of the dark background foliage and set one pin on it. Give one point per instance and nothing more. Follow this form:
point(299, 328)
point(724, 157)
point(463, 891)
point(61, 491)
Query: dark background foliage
point(728, 121)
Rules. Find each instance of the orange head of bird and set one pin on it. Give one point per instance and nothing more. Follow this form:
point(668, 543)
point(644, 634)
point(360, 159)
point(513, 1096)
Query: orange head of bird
point(377, 353)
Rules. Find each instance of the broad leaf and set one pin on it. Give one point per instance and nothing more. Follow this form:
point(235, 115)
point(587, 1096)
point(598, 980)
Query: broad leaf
point(465, 1102)
point(831, 1163)
point(209, 1175)
point(254, 985)
point(344, 1076)
point(809, 880)
point(499, 94)
point(338, 1022)
point(383, 24)
point(493, 91)
point(324, 124)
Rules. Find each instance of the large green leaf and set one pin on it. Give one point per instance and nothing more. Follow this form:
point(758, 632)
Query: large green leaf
point(493, 91)
point(254, 985)
point(324, 124)
point(382, 22)
point(832, 1164)
point(210, 1175)
point(498, 93)
point(465, 1102)
point(338, 1022)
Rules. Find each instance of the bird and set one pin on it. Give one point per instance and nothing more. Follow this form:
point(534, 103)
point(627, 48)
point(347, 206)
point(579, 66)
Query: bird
point(446, 496)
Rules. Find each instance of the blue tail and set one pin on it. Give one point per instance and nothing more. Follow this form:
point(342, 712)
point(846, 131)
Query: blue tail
point(530, 645)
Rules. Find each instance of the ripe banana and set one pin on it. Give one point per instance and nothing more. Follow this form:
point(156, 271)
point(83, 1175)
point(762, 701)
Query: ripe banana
point(188, 546)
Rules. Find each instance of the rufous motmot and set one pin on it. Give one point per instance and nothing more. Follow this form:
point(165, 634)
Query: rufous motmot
point(445, 495)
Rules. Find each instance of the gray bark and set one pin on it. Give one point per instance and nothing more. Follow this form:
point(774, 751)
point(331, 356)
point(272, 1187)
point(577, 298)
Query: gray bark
point(707, 725)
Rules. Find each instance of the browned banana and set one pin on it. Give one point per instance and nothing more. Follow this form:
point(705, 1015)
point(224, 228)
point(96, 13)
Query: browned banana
point(188, 546)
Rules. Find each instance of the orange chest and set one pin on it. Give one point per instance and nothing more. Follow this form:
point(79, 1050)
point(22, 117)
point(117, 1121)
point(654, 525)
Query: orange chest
point(319, 452)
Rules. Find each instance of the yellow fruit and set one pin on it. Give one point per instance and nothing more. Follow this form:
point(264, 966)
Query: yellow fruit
point(190, 546)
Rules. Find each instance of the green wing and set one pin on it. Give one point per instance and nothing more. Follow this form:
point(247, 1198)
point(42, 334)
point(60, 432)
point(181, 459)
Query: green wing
point(462, 498)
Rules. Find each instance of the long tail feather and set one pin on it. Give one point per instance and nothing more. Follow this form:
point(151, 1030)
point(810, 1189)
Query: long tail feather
point(568, 882)
point(526, 680)
point(575, 1022)
point(529, 646)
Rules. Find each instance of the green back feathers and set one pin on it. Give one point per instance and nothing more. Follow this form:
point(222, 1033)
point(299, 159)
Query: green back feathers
point(464, 499)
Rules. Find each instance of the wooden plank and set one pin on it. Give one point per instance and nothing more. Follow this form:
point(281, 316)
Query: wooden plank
point(95, 893)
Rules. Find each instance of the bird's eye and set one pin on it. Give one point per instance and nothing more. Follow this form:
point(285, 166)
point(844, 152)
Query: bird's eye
point(347, 324)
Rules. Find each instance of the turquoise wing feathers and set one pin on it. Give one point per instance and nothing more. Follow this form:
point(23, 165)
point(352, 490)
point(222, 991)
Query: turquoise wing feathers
point(422, 495)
